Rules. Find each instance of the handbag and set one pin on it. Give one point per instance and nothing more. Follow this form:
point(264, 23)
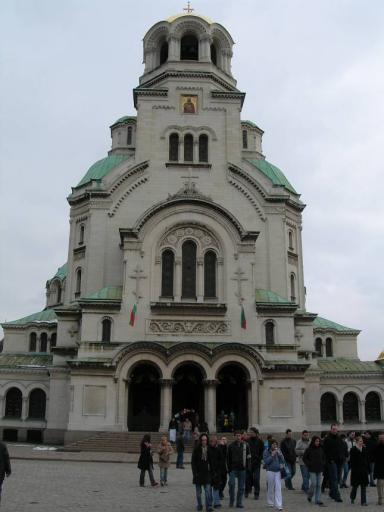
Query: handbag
point(284, 471)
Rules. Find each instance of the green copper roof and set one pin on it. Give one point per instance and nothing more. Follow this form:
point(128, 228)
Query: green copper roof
point(251, 123)
point(108, 293)
point(101, 168)
point(47, 315)
point(323, 323)
point(266, 296)
point(273, 173)
point(342, 365)
point(61, 272)
point(124, 119)
point(16, 360)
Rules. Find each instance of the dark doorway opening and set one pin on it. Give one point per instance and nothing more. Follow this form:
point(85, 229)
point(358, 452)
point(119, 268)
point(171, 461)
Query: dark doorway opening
point(10, 434)
point(144, 399)
point(232, 398)
point(35, 436)
point(188, 391)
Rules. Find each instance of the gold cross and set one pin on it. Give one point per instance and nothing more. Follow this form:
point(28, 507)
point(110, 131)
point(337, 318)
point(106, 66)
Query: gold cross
point(188, 8)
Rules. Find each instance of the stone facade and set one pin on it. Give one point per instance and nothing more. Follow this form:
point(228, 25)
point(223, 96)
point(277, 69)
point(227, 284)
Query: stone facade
point(182, 230)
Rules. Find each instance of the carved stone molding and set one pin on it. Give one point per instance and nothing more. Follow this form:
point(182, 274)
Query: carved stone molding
point(172, 238)
point(189, 327)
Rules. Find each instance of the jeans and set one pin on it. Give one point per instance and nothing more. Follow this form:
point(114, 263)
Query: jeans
point(333, 478)
point(305, 476)
point(150, 473)
point(180, 460)
point(371, 470)
point(240, 475)
point(207, 493)
point(315, 488)
point(163, 475)
point(187, 435)
point(253, 480)
point(363, 493)
point(292, 469)
point(215, 499)
point(346, 469)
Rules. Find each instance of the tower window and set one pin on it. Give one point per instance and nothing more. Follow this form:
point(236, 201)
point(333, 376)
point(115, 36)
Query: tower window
point(210, 275)
point(328, 347)
point(188, 290)
point(53, 340)
point(174, 147)
point(32, 342)
point(106, 330)
point(81, 234)
point(269, 333)
point(290, 240)
point(189, 49)
point(203, 148)
point(293, 288)
point(43, 342)
point(78, 283)
point(213, 54)
point(167, 272)
point(164, 53)
point(245, 139)
point(188, 148)
point(129, 136)
point(319, 347)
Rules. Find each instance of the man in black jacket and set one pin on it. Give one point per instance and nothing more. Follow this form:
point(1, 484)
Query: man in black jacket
point(238, 457)
point(5, 464)
point(334, 453)
point(288, 449)
point(378, 459)
point(256, 447)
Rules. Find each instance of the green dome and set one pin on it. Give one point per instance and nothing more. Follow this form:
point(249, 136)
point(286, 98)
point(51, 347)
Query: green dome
point(102, 167)
point(124, 119)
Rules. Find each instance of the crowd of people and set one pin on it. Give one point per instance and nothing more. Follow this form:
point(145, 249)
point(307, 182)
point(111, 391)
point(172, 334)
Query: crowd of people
point(325, 463)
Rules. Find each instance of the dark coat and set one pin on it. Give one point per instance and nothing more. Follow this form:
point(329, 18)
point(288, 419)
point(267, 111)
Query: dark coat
point(217, 466)
point(314, 459)
point(223, 449)
point(370, 445)
point(256, 447)
point(145, 460)
point(359, 466)
point(334, 448)
point(378, 458)
point(288, 449)
point(238, 456)
point(180, 446)
point(201, 469)
point(5, 464)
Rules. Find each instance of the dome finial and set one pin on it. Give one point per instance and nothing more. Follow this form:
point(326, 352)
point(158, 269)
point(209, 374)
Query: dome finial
point(188, 8)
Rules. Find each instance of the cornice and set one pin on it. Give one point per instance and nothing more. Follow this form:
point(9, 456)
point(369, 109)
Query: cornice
point(207, 75)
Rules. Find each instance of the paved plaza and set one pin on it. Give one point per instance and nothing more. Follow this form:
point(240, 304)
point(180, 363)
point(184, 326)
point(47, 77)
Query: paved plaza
point(70, 486)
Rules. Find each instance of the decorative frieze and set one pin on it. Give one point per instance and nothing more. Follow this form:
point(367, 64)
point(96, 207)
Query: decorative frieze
point(193, 327)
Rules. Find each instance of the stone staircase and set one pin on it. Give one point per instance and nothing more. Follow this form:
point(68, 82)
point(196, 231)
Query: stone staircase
point(119, 442)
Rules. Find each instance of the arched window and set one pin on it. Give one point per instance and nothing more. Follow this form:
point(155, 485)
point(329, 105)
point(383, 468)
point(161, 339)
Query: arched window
point(290, 240)
point(163, 53)
point(129, 136)
point(203, 148)
point(106, 330)
point(270, 333)
point(293, 287)
point(210, 275)
point(81, 234)
point(327, 408)
point(43, 342)
point(350, 407)
point(32, 342)
point(245, 139)
point(372, 407)
point(13, 403)
point(188, 148)
point(37, 404)
point(188, 287)
point(174, 147)
point(189, 48)
point(319, 347)
point(328, 347)
point(167, 273)
point(213, 54)
point(78, 282)
point(53, 340)
point(58, 292)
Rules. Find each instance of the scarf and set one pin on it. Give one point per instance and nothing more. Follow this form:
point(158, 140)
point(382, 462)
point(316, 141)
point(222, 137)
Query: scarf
point(204, 451)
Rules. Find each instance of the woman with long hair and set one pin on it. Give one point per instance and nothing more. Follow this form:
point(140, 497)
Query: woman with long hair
point(164, 450)
point(314, 459)
point(273, 463)
point(146, 461)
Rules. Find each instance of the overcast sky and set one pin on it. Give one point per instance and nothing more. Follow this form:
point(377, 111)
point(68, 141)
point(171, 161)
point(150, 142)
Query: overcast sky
point(313, 72)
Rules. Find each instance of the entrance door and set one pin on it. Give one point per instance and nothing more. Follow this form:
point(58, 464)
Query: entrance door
point(232, 398)
point(144, 399)
point(188, 390)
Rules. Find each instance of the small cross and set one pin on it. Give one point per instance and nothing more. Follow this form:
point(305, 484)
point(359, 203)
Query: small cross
point(138, 275)
point(188, 8)
point(239, 273)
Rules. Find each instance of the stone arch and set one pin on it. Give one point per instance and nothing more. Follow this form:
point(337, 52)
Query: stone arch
point(243, 355)
point(328, 407)
point(190, 25)
point(351, 407)
point(136, 352)
point(205, 238)
point(189, 358)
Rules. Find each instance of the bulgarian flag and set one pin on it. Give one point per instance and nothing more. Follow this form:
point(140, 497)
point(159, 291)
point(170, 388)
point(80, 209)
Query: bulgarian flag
point(243, 319)
point(132, 317)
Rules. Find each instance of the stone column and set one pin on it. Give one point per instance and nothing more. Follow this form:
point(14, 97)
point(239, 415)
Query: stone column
point(220, 279)
point(200, 279)
point(196, 151)
point(210, 403)
point(157, 277)
point(177, 285)
point(24, 408)
point(362, 411)
point(340, 416)
point(2, 405)
point(323, 348)
point(173, 48)
point(165, 404)
point(205, 48)
point(124, 404)
point(253, 405)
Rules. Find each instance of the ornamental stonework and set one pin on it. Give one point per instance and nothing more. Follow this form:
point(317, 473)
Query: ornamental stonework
point(193, 327)
point(172, 238)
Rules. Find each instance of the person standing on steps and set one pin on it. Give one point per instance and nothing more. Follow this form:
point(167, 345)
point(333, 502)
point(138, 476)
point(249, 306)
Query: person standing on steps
point(146, 461)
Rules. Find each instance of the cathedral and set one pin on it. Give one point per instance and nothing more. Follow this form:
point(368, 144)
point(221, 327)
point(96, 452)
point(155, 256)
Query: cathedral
point(184, 283)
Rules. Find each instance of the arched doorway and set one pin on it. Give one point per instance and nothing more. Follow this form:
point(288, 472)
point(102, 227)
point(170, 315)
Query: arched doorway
point(144, 399)
point(328, 408)
point(232, 398)
point(188, 390)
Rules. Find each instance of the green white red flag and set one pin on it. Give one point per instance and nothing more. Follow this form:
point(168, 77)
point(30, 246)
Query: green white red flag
point(132, 317)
